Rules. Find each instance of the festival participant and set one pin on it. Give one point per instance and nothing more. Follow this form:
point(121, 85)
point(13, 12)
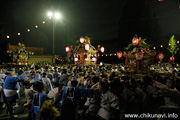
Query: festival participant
point(38, 99)
point(46, 81)
point(170, 93)
point(70, 99)
point(10, 89)
point(29, 96)
point(109, 102)
point(2, 77)
point(93, 104)
point(56, 76)
point(63, 80)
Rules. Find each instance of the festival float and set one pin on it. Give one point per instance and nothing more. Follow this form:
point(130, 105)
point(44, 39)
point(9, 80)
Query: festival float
point(138, 55)
point(84, 53)
point(20, 55)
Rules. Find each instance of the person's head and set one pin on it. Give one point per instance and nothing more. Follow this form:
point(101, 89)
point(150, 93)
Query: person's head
point(94, 80)
point(74, 82)
point(45, 74)
point(10, 72)
point(104, 86)
point(38, 86)
point(27, 84)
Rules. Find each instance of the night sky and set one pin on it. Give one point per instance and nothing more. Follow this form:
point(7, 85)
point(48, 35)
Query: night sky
point(111, 23)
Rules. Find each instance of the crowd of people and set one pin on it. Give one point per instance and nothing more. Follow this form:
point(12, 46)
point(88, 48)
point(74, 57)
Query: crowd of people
point(104, 92)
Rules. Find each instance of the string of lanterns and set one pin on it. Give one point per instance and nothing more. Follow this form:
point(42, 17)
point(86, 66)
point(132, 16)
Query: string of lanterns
point(28, 30)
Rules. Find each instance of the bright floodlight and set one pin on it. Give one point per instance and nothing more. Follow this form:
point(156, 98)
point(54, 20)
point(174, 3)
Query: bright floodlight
point(50, 14)
point(57, 16)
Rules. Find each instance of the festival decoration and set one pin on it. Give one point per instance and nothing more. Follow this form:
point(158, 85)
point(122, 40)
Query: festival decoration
point(20, 55)
point(119, 54)
point(75, 59)
point(82, 40)
point(139, 55)
point(135, 41)
point(173, 48)
point(84, 52)
point(86, 46)
point(171, 58)
point(67, 49)
point(102, 49)
point(160, 56)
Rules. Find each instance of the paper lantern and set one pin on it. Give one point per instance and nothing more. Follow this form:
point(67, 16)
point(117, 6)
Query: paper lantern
point(160, 56)
point(86, 59)
point(94, 59)
point(75, 59)
point(135, 41)
point(102, 49)
point(81, 40)
point(172, 59)
point(119, 54)
point(86, 46)
point(67, 49)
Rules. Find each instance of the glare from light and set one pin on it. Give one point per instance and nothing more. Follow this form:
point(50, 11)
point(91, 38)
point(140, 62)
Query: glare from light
point(36, 26)
point(44, 22)
point(8, 36)
point(28, 30)
point(57, 16)
point(19, 33)
point(50, 14)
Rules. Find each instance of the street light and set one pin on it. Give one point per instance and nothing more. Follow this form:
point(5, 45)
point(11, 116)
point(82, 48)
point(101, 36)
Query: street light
point(54, 16)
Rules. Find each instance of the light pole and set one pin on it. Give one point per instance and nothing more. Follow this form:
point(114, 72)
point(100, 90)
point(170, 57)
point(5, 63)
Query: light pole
point(54, 17)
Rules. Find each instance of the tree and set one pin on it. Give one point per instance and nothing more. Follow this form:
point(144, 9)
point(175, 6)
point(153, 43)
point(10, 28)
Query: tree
point(173, 48)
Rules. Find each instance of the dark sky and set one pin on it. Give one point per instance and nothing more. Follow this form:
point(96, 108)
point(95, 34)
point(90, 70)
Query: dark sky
point(101, 20)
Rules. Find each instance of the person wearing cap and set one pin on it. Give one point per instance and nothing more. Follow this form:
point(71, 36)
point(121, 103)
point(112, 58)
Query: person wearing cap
point(10, 89)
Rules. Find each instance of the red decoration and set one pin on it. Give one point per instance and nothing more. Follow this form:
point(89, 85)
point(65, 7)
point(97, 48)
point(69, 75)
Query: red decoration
point(102, 49)
point(67, 49)
point(81, 40)
point(119, 54)
point(160, 56)
point(172, 59)
point(86, 46)
point(139, 55)
point(135, 41)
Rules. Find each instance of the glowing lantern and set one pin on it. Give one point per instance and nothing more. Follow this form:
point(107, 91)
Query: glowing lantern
point(119, 54)
point(160, 56)
point(135, 41)
point(81, 40)
point(102, 49)
point(67, 49)
point(94, 59)
point(87, 47)
point(75, 59)
point(172, 59)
